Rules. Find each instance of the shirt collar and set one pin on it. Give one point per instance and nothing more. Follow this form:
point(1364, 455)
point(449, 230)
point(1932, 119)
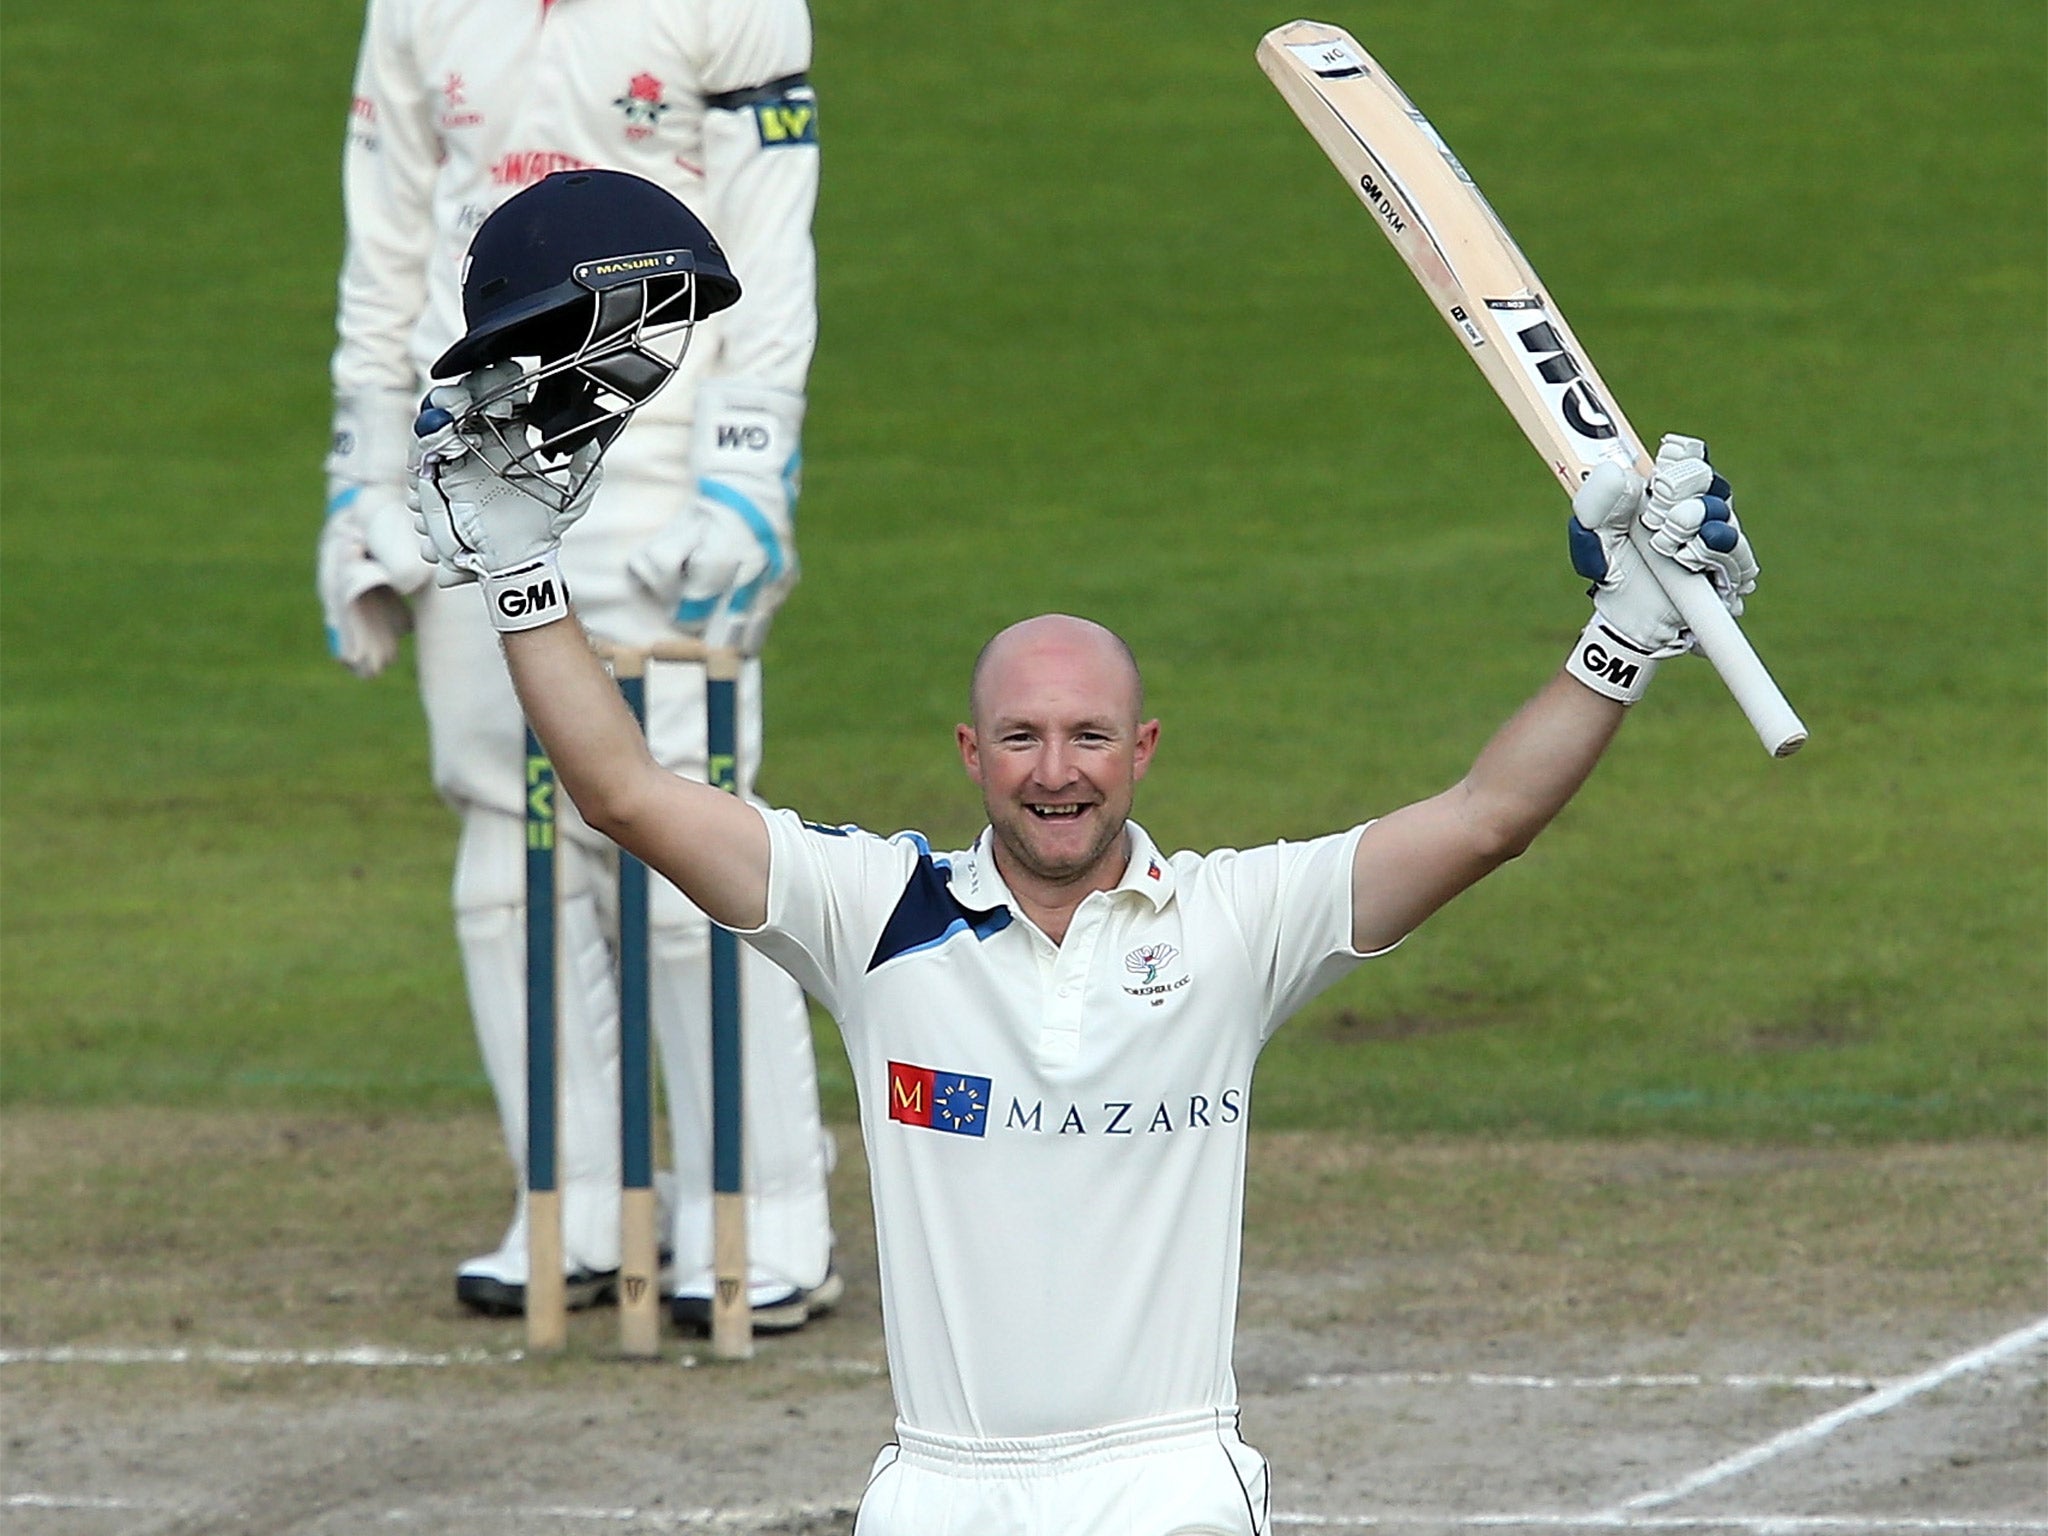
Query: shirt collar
point(1148, 873)
point(977, 882)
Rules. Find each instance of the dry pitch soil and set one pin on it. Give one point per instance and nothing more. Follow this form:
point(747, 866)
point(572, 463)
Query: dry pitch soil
point(243, 1323)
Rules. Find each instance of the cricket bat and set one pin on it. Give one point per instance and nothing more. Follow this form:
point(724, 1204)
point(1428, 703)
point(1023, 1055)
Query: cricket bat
point(1421, 198)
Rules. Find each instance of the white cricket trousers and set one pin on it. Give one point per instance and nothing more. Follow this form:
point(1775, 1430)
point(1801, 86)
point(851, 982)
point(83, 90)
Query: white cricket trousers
point(477, 735)
point(1184, 1475)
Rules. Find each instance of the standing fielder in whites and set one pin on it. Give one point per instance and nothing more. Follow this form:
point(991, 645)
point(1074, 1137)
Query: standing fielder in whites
point(1053, 1032)
point(458, 105)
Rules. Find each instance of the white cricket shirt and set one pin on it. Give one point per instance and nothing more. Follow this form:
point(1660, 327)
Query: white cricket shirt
point(1056, 1134)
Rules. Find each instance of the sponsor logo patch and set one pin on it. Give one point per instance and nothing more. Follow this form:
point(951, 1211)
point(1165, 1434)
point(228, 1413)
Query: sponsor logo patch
point(956, 1102)
point(1557, 375)
point(1333, 60)
point(1126, 1117)
point(520, 602)
point(787, 120)
point(523, 167)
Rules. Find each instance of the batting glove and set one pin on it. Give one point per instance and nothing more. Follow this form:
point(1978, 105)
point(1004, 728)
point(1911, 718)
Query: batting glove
point(724, 565)
point(368, 558)
point(1688, 510)
point(1691, 518)
point(485, 517)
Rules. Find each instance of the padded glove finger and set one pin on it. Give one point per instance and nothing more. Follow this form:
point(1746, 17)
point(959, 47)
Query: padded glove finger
point(1625, 595)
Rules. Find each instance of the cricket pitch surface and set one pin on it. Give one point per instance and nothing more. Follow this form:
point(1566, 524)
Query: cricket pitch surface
point(244, 1323)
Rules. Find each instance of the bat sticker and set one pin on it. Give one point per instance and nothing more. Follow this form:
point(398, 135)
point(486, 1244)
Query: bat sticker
point(1334, 60)
point(1466, 328)
point(1558, 377)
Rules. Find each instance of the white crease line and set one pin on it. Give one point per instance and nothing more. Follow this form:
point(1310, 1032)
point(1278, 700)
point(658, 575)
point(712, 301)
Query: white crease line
point(2017, 1342)
point(69, 1501)
point(369, 1356)
point(1609, 1520)
point(1759, 1525)
point(825, 1367)
point(742, 1520)
point(365, 1356)
point(1561, 1383)
point(641, 1519)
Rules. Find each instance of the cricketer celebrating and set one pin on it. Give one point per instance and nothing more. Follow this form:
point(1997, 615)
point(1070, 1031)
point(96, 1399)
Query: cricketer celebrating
point(459, 104)
point(1053, 1031)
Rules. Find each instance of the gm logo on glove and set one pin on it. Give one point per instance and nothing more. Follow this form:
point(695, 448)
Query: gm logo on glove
point(528, 597)
point(518, 602)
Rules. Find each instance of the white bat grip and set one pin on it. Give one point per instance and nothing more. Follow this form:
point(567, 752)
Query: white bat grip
point(1722, 642)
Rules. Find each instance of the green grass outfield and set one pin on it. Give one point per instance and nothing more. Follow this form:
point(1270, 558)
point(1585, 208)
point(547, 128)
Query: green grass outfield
point(1103, 332)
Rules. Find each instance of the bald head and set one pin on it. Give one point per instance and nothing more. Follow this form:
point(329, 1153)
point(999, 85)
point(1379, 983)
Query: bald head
point(1057, 749)
point(1059, 645)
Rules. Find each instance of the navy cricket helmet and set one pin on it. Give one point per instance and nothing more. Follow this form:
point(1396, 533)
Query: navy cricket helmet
point(581, 273)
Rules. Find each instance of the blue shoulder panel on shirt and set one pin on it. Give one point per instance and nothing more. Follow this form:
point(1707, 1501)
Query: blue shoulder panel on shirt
point(927, 914)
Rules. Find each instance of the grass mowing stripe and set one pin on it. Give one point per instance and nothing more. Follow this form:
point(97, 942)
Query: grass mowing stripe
point(1162, 375)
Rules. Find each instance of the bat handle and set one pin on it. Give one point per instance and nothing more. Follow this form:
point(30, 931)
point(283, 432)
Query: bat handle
point(1722, 642)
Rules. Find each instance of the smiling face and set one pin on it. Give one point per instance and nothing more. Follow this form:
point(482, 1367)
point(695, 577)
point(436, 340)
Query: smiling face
point(1057, 748)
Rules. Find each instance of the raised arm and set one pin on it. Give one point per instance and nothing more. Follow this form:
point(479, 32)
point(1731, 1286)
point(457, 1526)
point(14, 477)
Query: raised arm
point(710, 845)
point(484, 526)
point(1411, 862)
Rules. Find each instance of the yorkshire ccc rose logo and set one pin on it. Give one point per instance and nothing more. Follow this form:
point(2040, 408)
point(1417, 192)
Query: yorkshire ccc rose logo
point(1145, 961)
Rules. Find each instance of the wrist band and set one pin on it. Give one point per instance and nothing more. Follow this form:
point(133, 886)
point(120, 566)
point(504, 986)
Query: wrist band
point(1610, 665)
point(527, 596)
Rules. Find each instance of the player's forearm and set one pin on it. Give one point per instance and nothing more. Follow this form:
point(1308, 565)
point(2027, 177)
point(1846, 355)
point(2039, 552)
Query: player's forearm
point(1535, 763)
point(1411, 861)
point(597, 751)
point(710, 845)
